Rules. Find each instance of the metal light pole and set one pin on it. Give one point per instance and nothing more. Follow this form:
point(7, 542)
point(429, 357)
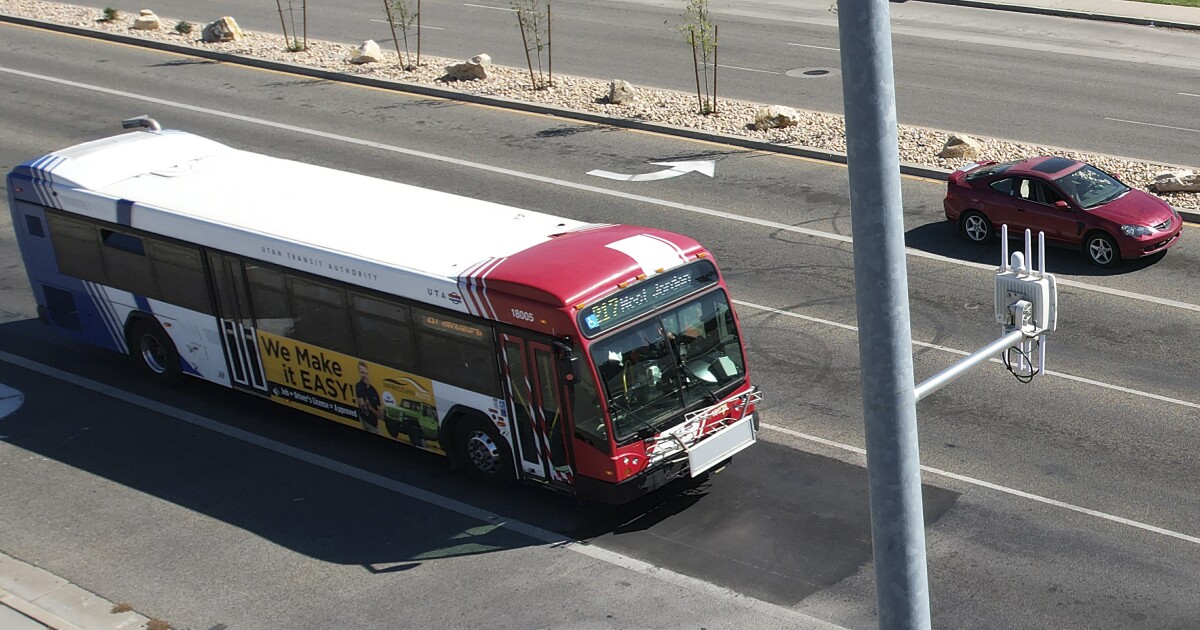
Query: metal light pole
point(881, 293)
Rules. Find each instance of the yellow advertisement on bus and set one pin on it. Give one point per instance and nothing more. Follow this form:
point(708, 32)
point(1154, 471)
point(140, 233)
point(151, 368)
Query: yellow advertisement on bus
point(337, 386)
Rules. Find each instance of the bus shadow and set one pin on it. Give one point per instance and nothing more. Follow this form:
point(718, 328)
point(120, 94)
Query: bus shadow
point(309, 485)
point(778, 523)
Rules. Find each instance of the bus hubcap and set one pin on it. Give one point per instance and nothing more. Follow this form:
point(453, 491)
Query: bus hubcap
point(483, 452)
point(153, 354)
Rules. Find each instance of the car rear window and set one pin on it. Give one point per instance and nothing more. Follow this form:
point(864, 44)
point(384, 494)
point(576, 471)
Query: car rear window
point(989, 170)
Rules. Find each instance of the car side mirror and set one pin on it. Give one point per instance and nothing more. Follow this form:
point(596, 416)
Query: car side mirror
point(1062, 205)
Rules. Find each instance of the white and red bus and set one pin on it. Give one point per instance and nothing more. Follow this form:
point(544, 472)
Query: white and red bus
point(599, 360)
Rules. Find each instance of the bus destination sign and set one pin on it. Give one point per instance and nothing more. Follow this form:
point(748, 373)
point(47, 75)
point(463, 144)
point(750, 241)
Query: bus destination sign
point(646, 296)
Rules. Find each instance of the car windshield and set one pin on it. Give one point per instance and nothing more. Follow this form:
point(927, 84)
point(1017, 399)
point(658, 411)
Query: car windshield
point(676, 360)
point(1090, 187)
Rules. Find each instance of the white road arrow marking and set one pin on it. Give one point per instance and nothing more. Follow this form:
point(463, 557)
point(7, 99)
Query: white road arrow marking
point(708, 167)
point(10, 401)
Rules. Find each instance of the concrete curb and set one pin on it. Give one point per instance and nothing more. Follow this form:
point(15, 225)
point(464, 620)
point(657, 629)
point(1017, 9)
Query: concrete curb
point(914, 170)
point(56, 603)
point(1083, 15)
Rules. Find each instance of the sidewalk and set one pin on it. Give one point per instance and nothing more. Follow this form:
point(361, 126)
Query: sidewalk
point(1127, 11)
point(34, 599)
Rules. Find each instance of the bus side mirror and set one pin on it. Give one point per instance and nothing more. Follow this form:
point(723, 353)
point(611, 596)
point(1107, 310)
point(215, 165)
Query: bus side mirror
point(564, 357)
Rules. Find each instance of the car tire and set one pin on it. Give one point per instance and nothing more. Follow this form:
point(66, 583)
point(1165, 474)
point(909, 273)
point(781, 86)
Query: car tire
point(154, 354)
point(975, 227)
point(1101, 249)
point(484, 453)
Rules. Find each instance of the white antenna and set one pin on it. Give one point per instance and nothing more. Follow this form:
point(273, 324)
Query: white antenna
point(1026, 304)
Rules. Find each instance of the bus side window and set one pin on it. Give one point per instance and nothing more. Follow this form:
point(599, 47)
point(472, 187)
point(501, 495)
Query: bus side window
point(319, 310)
point(179, 275)
point(457, 352)
point(268, 298)
point(585, 410)
point(126, 262)
point(76, 248)
point(383, 330)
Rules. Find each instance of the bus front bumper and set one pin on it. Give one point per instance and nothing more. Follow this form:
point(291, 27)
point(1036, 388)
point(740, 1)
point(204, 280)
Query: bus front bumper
point(686, 464)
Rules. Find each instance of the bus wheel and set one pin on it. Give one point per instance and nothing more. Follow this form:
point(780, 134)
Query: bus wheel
point(484, 452)
point(153, 352)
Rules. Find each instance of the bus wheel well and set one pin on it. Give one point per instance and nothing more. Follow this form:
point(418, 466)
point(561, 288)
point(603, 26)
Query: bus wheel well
point(152, 349)
point(136, 317)
point(448, 432)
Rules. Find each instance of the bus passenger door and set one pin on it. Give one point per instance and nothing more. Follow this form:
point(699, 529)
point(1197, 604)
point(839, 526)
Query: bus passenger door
point(531, 379)
point(236, 323)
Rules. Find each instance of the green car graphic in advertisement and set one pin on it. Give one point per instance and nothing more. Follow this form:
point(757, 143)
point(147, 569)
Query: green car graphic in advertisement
point(405, 414)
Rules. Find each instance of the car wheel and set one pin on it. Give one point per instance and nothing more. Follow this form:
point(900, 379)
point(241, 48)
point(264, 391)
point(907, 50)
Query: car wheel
point(1101, 249)
point(485, 453)
point(153, 352)
point(976, 227)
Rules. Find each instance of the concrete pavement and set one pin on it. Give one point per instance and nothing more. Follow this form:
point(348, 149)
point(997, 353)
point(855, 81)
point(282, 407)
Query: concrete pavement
point(34, 599)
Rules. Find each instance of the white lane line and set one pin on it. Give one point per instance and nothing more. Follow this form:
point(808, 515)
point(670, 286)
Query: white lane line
point(774, 225)
point(532, 531)
point(811, 46)
point(1186, 94)
point(484, 6)
point(721, 65)
point(1146, 124)
point(1063, 375)
point(423, 28)
point(999, 488)
point(552, 539)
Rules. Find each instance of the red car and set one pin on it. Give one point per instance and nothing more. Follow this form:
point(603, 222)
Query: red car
point(1074, 203)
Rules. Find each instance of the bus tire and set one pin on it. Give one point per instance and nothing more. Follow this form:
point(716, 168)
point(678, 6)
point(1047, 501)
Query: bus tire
point(484, 453)
point(153, 352)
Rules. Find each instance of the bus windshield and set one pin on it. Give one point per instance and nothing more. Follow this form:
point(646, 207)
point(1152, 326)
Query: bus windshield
point(677, 360)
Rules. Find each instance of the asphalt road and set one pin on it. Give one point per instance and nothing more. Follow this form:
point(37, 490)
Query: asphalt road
point(1103, 87)
point(1065, 503)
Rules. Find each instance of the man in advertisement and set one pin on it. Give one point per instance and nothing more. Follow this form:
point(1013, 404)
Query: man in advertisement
point(369, 409)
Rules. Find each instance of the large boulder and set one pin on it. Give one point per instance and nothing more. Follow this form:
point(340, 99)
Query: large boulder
point(621, 92)
point(961, 147)
point(1176, 181)
point(474, 68)
point(146, 21)
point(367, 52)
point(224, 29)
point(775, 117)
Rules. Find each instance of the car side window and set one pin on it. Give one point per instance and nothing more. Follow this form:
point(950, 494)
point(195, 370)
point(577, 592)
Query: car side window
point(1027, 190)
point(1037, 192)
point(1050, 196)
point(1003, 186)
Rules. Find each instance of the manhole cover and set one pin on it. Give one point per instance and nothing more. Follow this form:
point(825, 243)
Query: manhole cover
point(813, 73)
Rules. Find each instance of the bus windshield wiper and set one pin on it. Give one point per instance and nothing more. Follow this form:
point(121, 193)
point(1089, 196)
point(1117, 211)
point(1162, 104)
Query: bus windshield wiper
point(647, 431)
point(689, 377)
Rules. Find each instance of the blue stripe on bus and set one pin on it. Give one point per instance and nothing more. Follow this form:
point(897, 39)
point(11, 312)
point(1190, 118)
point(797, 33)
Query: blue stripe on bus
point(107, 315)
point(125, 212)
